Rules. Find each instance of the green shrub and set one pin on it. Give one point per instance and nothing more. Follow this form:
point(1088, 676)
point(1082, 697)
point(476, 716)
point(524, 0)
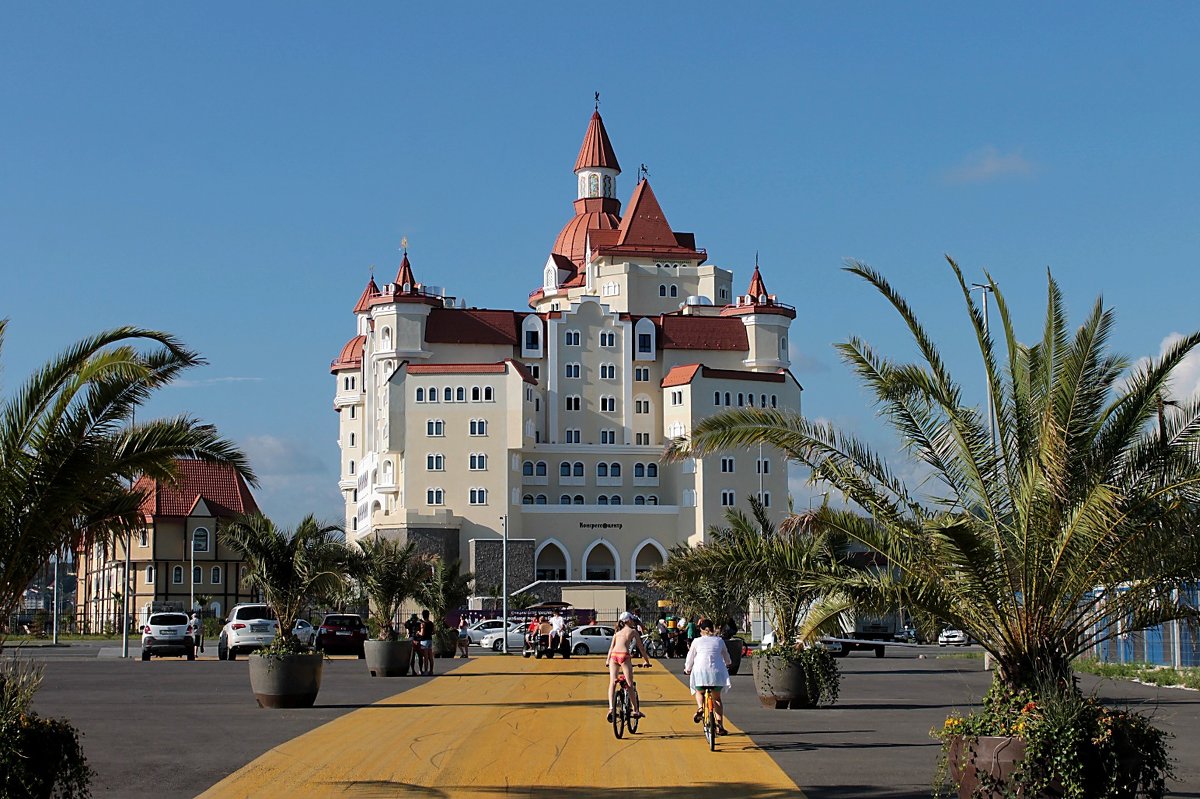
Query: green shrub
point(39, 758)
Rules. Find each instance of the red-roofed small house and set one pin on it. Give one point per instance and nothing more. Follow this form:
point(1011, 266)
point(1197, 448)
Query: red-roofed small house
point(165, 574)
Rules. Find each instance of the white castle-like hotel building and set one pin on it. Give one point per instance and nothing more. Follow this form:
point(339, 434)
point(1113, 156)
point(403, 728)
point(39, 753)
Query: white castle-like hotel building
point(455, 421)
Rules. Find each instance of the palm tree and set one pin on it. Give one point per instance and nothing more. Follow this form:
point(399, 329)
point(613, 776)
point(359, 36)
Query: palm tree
point(390, 573)
point(794, 572)
point(1079, 522)
point(443, 590)
point(288, 567)
point(70, 449)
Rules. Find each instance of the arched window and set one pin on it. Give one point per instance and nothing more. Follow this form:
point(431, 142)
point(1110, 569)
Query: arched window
point(565, 499)
point(577, 469)
point(420, 395)
point(639, 500)
point(460, 394)
point(215, 575)
point(614, 470)
point(527, 469)
point(639, 470)
point(177, 575)
point(488, 394)
point(615, 500)
point(651, 500)
point(197, 575)
point(540, 499)
point(433, 394)
point(773, 399)
point(602, 470)
point(577, 499)
point(564, 469)
point(652, 470)
point(674, 290)
point(727, 402)
point(149, 575)
point(750, 399)
point(540, 469)
point(475, 394)
point(200, 539)
point(601, 500)
point(741, 399)
point(716, 398)
point(527, 499)
point(662, 290)
point(448, 394)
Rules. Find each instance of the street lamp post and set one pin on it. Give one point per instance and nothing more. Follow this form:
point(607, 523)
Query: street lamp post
point(504, 582)
point(192, 581)
point(985, 289)
point(56, 554)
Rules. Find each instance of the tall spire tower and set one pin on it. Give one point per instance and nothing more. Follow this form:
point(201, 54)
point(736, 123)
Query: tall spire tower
point(596, 203)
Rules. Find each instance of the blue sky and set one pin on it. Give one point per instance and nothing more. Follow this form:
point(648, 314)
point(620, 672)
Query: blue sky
point(230, 172)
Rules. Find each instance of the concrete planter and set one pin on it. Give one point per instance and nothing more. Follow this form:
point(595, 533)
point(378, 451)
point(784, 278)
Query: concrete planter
point(388, 658)
point(781, 684)
point(287, 681)
point(737, 648)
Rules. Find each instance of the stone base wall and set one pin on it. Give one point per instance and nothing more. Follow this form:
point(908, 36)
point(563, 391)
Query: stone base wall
point(485, 557)
point(439, 541)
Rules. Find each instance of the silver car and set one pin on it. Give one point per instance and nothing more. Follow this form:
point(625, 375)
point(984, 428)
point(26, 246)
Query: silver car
point(168, 634)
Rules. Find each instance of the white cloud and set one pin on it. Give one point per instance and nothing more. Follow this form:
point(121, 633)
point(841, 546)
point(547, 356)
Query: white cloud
point(1185, 380)
point(989, 164)
point(293, 480)
point(272, 456)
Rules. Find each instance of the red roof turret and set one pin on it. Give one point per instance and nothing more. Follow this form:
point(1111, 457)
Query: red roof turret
point(405, 281)
point(371, 291)
point(757, 287)
point(597, 150)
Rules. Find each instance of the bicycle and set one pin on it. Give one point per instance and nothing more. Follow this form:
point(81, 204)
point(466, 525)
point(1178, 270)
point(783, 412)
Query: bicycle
point(710, 720)
point(655, 648)
point(622, 714)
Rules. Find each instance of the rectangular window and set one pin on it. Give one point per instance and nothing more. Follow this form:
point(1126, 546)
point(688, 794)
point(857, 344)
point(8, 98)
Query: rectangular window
point(676, 397)
point(641, 374)
point(764, 466)
point(149, 575)
point(534, 370)
point(727, 465)
point(765, 499)
point(144, 538)
point(531, 341)
point(608, 436)
point(353, 411)
point(573, 436)
point(644, 342)
point(727, 499)
point(608, 404)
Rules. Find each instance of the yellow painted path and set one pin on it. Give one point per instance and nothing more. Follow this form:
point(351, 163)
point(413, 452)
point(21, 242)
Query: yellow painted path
point(515, 727)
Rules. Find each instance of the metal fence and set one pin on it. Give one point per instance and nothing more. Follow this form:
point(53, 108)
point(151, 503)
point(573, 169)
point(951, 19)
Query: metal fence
point(1173, 644)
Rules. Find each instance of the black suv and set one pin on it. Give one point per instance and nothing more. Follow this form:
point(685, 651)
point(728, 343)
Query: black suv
point(344, 633)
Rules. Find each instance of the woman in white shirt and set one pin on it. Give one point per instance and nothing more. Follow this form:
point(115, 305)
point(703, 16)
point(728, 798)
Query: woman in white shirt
point(708, 664)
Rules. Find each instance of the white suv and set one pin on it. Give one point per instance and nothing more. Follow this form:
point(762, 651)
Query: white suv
point(249, 627)
point(168, 634)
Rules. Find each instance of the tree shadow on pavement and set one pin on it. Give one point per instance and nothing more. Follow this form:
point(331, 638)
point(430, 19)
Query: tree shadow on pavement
point(864, 792)
point(369, 789)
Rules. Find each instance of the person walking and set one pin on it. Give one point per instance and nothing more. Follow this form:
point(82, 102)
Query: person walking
point(197, 633)
point(464, 637)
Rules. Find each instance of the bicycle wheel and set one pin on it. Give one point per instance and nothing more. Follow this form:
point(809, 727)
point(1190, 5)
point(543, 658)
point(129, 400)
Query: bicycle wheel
point(710, 722)
point(618, 716)
point(633, 720)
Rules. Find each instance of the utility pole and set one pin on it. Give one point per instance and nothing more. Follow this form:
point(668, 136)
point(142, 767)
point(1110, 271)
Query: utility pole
point(985, 289)
point(504, 581)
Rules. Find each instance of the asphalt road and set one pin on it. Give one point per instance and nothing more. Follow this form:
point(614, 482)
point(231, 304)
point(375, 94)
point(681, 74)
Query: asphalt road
point(171, 728)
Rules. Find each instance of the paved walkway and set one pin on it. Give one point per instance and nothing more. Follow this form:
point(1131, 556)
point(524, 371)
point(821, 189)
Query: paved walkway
point(514, 727)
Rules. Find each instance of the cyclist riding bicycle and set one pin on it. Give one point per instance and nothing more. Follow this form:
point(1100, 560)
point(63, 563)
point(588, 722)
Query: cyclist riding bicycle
point(708, 664)
point(625, 644)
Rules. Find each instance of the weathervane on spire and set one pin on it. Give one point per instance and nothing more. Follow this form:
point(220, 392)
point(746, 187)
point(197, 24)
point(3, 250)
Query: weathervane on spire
point(643, 172)
point(372, 271)
point(597, 101)
point(756, 259)
point(404, 244)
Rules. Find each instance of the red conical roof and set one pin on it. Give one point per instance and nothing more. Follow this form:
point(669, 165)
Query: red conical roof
point(757, 287)
point(364, 302)
point(404, 277)
point(597, 150)
point(644, 222)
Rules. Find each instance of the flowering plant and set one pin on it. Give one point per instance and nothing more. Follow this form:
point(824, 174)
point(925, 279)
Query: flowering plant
point(1075, 747)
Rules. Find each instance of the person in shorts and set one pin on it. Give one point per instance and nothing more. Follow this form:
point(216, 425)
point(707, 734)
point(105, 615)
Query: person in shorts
point(425, 640)
point(464, 637)
point(708, 665)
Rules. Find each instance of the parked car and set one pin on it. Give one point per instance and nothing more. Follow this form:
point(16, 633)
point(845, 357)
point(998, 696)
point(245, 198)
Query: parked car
point(591, 638)
point(953, 637)
point(168, 634)
point(342, 633)
point(251, 627)
point(481, 628)
point(834, 646)
point(516, 640)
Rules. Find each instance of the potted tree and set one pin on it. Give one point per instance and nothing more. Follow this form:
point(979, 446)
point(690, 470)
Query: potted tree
point(442, 590)
point(389, 573)
point(791, 572)
point(287, 567)
point(1053, 511)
